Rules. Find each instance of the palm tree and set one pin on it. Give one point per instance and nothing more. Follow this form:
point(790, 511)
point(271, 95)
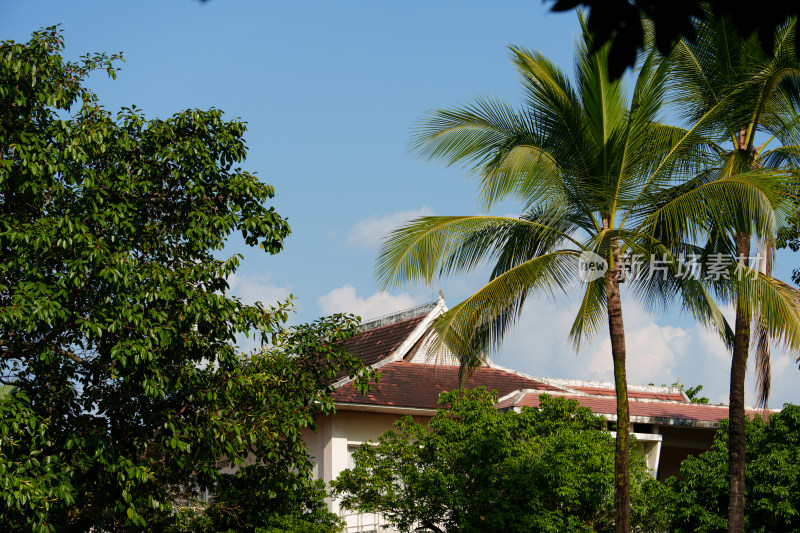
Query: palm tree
point(762, 95)
point(596, 179)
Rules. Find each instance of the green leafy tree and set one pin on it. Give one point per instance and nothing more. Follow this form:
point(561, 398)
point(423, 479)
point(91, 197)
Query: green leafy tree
point(115, 328)
point(32, 483)
point(475, 469)
point(601, 182)
point(262, 499)
point(758, 95)
point(693, 393)
point(622, 23)
point(772, 491)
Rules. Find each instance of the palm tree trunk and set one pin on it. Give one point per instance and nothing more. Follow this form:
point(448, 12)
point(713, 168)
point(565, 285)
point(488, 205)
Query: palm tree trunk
point(736, 414)
point(622, 514)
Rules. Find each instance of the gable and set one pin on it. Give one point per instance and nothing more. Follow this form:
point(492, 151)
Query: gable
point(376, 344)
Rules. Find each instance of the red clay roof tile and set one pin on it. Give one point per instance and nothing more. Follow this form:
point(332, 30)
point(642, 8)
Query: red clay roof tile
point(608, 406)
point(673, 397)
point(419, 385)
point(376, 344)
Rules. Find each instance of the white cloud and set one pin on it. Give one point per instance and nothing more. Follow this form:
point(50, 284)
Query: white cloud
point(256, 288)
point(657, 352)
point(785, 380)
point(369, 232)
point(345, 300)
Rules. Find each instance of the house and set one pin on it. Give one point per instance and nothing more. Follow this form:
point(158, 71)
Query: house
point(667, 425)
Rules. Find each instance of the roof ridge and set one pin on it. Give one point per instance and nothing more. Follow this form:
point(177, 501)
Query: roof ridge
point(375, 328)
point(646, 400)
point(399, 316)
point(570, 383)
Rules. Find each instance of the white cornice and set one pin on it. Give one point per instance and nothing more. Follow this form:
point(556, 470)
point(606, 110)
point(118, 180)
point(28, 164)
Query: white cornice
point(389, 409)
point(422, 328)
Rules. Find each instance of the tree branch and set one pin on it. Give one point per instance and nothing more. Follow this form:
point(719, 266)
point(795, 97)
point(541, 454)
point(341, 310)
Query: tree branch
point(431, 525)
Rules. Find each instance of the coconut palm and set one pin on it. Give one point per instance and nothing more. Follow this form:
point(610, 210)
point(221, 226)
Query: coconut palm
point(597, 179)
point(762, 94)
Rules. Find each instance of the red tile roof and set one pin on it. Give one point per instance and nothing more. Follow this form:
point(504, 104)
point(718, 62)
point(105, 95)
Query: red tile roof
point(378, 343)
point(601, 391)
point(412, 385)
point(608, 406)
point(417, 385)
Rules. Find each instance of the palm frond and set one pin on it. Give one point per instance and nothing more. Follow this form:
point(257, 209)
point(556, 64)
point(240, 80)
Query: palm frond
point(524, 172)
point(781, 156)
point(591, 314)
point(518, 243)
point(557, 108)
point(761, 340)
point(748, 198)
point(763, 365)
point(603, 101)
point(774, 305)
point(706, 72)
point(661, 275)
point(680, 155)
point(431, 247)
point(468, 134)
point(499, 301)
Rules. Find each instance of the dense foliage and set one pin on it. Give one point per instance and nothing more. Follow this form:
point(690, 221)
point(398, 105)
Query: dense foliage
point(772, 489)
point(117, 336)
point(262, 499)
point(475, 469)
point(622, 23)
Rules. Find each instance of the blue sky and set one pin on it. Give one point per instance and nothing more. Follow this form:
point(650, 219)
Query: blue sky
point(330, 92)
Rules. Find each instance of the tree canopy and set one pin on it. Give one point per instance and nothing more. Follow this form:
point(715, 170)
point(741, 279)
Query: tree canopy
point(118, 342)
point(473, 468)
point(772, 465)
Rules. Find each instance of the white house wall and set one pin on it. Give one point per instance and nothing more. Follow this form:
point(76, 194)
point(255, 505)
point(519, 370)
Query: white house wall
point(329, 448)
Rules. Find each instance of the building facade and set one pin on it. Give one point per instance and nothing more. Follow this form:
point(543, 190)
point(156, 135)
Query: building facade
point(667, 425)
